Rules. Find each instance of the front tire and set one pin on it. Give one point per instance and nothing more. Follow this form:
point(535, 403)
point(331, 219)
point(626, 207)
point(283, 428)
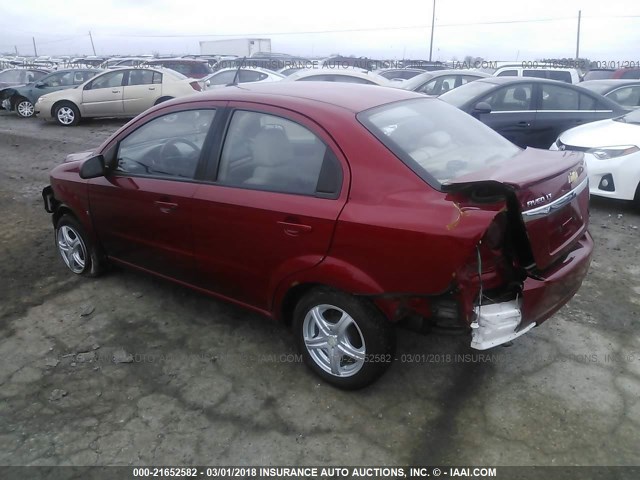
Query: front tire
point(66, 114)
point(24, 108)
point(75, 248)
point(343, 339)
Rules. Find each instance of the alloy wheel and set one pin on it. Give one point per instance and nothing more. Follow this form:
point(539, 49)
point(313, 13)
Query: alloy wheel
point(72, 249)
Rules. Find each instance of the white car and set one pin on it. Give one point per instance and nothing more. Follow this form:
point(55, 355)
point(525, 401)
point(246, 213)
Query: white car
point(123, 92)
point(567, 75)
point(340, 75)
point(612, 151)
point(225, 76)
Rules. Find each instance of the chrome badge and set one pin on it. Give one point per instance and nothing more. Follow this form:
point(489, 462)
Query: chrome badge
point(539, 201)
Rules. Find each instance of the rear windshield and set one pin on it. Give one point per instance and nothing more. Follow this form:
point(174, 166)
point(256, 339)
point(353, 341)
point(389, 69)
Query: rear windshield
point(437, 141)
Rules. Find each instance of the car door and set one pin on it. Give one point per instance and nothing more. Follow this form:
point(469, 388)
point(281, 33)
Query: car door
point(141, 91)
point(104, 94)
point(561, 108)
point(142, 210)
point(512, 113)
point(271, 205)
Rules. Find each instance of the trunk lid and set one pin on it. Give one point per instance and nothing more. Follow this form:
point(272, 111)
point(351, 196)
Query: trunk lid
point(552, 196)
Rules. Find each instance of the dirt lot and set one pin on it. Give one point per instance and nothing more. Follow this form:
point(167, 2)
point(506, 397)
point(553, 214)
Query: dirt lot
point(129, 370)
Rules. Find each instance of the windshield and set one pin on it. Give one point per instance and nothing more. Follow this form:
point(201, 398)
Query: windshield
point(416, 81)
point(437, 141)
point(631, 117)
point(462, 95)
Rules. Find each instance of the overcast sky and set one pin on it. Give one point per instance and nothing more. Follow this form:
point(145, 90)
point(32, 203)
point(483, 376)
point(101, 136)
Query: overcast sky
point(391, 30)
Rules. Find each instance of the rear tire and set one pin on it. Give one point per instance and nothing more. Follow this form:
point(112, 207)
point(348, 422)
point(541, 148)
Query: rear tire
point(345, 340)
point(24, 108)
point(75, 248)
point(636, 197)
point(66, 114)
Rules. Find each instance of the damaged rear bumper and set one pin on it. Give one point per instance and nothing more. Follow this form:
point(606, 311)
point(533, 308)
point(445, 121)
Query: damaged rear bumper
point(543, 296)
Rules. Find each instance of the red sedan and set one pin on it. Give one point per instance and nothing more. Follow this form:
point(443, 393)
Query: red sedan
point(337, 208)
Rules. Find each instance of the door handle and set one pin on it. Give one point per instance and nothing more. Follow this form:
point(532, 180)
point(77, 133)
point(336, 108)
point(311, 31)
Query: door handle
point(152, 88)
point(115, 91)
point(295, 229)
point(523, 124)
point(165, 207)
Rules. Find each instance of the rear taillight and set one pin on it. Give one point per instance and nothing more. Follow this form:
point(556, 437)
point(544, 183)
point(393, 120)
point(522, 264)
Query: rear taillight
point(196, 86)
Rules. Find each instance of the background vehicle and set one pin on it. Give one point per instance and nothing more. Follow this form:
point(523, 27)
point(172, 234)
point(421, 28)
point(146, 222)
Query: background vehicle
point(13, 77)
point(567, 75)
point(23, 99)
point(123, 92)
point(340, 75)
point(441, 81)
point(287, 216)
point(598, 74)
point(627, 73)
point(225, 76)
point(624, 92)
point(612, 151)
point(531, 112)
point(188, 67)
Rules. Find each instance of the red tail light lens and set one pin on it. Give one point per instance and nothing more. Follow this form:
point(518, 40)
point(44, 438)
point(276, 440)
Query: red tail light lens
point(196, 86)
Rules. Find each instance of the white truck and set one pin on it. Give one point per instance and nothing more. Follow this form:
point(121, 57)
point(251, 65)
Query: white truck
point(242, 47)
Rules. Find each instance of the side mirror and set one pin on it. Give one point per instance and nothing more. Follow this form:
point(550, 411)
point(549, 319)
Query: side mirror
point(93, 167)
point(40, 85)
point(480, 108)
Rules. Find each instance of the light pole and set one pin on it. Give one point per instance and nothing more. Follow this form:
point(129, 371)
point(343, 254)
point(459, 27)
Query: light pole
point(433, 22)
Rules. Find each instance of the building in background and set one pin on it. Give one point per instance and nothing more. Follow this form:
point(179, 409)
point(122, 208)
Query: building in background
point(242, 47)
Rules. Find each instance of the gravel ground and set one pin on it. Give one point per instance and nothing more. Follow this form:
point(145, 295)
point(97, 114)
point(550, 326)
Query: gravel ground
point(131, 370)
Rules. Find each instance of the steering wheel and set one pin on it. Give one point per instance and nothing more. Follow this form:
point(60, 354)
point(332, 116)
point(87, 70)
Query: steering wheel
point(166, 152)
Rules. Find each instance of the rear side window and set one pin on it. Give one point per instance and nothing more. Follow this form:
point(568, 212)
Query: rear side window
point(513, 98)
point(555, 97)
point(247, 76)
point(141, 77)
point(267, 152)
point(534, 73)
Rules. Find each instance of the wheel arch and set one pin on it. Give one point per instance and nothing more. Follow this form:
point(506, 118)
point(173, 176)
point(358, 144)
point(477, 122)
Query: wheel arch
point(62, 102)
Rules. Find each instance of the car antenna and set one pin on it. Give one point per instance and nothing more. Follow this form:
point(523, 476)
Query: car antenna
point(235, 82)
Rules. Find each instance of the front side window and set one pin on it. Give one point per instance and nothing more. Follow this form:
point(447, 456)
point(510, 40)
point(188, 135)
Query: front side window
point(267, 152)
point(439, 142)
point(108, 80)
point(167, 146)
point(508, 73)
point(513, 98)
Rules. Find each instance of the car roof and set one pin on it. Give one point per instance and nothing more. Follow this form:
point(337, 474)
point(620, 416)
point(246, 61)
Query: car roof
point(345, 72)
point(508, 80)
point(349, 96)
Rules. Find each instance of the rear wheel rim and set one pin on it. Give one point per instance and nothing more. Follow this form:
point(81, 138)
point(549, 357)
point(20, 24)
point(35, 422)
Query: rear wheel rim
point(72, 248)
point(25, 108)
point(334, 341)
point(66, 115)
